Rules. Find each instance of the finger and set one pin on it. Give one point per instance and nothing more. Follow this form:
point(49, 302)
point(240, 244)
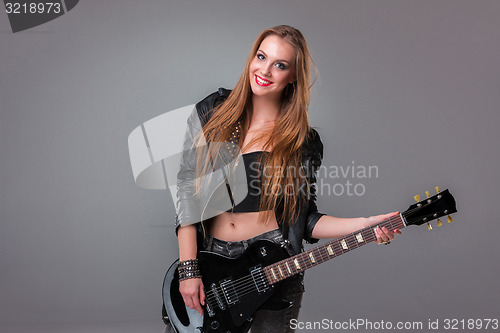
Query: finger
point(188, 302)
point(386, 235)
point(389, 234)
point(199, 309)
point(197, 306)
point(202, 295)
point(379, 235)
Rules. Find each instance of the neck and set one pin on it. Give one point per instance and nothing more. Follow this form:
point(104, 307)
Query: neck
point(264, 109)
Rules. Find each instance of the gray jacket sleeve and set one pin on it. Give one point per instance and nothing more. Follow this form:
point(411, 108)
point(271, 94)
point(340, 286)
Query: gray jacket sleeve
point(187, 203)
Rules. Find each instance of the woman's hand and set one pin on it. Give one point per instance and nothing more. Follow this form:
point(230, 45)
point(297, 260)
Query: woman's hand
point(193, 294)
point(384, 235)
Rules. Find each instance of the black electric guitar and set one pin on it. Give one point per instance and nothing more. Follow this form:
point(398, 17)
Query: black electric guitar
point(236, 288)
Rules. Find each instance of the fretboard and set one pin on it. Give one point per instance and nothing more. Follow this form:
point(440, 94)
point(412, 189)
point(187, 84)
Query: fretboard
point(318, 255)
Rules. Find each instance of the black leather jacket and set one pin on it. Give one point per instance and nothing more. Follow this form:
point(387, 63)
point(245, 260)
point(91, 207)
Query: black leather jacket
point(192, 209)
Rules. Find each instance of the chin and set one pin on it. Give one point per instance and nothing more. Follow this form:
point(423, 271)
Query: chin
point(262, 91)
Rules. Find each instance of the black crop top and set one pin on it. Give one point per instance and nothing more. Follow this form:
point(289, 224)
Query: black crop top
point(254, 172)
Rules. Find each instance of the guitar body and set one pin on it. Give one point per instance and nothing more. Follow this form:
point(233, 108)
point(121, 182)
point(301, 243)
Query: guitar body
point(234, 288)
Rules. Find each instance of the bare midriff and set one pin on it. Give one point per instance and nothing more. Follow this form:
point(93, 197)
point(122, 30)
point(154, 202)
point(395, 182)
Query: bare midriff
point(235, 227)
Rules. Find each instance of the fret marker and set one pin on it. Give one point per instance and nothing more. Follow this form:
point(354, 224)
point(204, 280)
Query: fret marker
point(330, 250)
point(279, 269)
point(312, 257)
point(344, 244)
point(288, 267)
point(359, 237)
point(274, 274)
point(296, 262)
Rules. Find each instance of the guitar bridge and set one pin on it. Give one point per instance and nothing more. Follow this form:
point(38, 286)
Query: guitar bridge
point(210, 311)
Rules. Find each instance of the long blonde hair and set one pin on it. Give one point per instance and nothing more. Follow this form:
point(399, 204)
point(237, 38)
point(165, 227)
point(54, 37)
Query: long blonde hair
point(285, 138)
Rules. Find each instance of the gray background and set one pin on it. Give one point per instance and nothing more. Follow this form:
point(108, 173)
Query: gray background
point(409, 86)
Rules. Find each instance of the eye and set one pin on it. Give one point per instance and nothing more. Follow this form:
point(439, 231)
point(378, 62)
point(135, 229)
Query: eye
point(281, 66)
point(260, 56)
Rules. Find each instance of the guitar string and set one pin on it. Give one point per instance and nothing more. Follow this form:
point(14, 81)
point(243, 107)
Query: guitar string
point(321, 254)
point(249, 287)
point(241, 285)
point(244, 282)
point(305, 261)
point(350, 240)
point(241, 291)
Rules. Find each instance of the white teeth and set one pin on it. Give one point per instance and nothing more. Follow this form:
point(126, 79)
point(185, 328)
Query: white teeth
point(262, 81)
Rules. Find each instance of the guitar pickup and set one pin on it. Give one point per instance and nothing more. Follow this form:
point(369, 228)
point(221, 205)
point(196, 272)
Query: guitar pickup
point(229, 292)
point(217, 297)
point(259, 279)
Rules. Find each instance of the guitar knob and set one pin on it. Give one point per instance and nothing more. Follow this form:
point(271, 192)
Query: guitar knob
point(429, 226)
point(439, 223)
point(427, 194)
point(437, 189)
point(449, 219)
point(214, 325)
point(417, 198)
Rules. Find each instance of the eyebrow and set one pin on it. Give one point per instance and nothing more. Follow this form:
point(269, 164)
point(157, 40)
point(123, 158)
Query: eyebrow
point(282, 60)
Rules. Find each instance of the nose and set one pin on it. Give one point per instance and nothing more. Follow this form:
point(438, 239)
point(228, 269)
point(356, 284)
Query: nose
point(266, 70)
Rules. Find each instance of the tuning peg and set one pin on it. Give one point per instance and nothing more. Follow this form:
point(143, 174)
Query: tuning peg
point(427, 194)
point(439, 223)
point(429, 226)
point(449, 219)
point(437, 189)
point(417, 198)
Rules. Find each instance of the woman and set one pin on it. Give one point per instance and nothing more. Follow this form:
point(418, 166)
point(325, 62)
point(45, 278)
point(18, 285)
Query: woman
point(266, 117)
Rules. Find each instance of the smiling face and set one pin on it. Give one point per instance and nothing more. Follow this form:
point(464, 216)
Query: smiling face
point(272, 68)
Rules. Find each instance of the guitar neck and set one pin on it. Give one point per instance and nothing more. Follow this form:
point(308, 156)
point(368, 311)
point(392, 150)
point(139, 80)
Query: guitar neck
point(320, 254)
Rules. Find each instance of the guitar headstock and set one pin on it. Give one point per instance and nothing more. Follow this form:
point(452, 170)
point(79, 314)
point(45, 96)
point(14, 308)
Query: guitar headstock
point(432, 208)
